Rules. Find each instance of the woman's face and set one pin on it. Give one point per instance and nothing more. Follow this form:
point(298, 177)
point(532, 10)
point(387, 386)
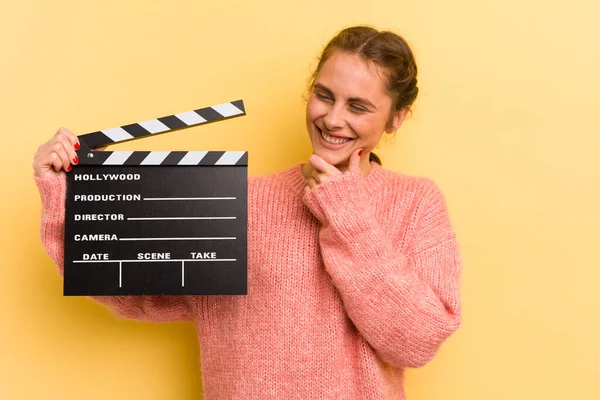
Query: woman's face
point(348, 109)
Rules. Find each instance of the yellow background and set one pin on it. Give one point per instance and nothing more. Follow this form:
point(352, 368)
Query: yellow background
point(506, 123)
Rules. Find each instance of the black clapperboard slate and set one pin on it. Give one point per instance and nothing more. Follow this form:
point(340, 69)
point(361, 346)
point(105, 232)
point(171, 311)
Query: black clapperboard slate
point(157, 222)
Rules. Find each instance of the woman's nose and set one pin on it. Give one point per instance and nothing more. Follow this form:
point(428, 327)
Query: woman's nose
point(334, 118)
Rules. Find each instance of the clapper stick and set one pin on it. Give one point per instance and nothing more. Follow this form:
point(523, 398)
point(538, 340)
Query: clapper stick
point(169, 123)
point(157, 222)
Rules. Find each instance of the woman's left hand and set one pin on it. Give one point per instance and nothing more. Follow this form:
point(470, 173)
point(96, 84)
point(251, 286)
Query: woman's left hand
point(318, 171)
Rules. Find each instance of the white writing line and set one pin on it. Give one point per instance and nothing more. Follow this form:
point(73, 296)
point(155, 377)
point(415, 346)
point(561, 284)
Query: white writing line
point(189, 198)
point(184, 238)
point(141, 261)
point(173, 218)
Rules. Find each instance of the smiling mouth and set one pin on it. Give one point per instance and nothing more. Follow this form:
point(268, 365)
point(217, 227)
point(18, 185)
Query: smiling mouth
point(332, 139)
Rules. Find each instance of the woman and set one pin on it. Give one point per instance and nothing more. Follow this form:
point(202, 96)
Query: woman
point(353, 270)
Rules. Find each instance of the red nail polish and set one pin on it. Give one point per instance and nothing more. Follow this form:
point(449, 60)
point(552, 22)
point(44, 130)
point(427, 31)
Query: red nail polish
point(76, 160)
point(360, 153)
point(69, 168)
point(76, 146)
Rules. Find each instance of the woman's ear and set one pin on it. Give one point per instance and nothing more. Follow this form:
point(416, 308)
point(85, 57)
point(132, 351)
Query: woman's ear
point(396, 120)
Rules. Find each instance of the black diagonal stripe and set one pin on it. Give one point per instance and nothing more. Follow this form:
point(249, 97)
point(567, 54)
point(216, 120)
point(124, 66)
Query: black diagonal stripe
point(243, 160)
point(96, 139)
point(95, 158)
point(173, 158)
point(172, 122)
point(136, 130)
point(211, 158)
point(209, 114)
point(136, 158)
point(239, 104)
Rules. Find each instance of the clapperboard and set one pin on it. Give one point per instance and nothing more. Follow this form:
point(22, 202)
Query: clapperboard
point(157, 222)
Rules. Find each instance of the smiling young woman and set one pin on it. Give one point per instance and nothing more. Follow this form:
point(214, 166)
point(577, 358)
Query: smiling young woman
point(364, 85)
point(349, 109)
point(353, 270)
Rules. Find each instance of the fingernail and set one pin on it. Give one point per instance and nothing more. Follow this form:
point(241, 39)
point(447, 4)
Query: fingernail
point(69, 168)
point(76, 146)
point(76, 160)
point(360, 152)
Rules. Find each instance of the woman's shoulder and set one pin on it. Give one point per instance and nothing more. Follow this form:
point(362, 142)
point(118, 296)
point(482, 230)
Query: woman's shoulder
point(286, 180)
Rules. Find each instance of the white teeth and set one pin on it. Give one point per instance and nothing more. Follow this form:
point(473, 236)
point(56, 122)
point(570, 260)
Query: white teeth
point(332, 140)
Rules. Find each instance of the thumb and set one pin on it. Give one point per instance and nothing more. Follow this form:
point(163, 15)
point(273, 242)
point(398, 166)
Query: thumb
point(354, 162)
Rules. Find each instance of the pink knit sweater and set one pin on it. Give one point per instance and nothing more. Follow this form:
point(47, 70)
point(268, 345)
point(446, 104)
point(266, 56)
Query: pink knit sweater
point(347, 286)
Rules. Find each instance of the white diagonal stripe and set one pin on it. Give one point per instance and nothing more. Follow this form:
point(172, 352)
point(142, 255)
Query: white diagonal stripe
point(155, 158)
point(117, 134)
point(190, 118)
point(192, 158)
point(230, 158)
point(117, 158)
point(227, 109)
point(154, 126)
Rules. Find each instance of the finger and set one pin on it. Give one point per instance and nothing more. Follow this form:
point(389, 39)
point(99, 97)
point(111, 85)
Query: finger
point(320, 177)
point(70, 144)
point(41, 163)
point(312, 183)
point(60, 152)
point(323, 165)
point(48, 155)
point(316, 175)
point(48, 160)
point(56, 162)
point(354, 162)
point(70, 136)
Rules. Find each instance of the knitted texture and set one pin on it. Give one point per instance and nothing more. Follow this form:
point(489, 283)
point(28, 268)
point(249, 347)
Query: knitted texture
point(347, 286)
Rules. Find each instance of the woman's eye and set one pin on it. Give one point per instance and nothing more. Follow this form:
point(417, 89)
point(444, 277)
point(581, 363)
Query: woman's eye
point(321, 96)
point(357, 108)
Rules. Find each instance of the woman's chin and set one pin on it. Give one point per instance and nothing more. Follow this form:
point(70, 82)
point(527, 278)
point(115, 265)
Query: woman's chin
point(337, 160)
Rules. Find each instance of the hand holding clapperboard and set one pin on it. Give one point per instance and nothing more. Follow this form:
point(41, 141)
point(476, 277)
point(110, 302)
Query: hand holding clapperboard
point(157, 222)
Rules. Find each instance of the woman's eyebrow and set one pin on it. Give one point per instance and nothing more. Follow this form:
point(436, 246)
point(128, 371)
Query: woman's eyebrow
point(323, 88)
point(363, 101)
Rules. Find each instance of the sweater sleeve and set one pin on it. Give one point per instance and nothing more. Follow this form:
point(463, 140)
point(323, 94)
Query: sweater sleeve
point(404, 305)
point(145, 308)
